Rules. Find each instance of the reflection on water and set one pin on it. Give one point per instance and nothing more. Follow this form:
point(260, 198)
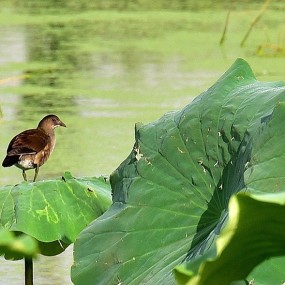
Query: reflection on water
point(101, 72)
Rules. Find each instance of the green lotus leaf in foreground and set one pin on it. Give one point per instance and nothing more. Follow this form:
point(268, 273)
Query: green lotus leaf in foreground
point(55, 211)
point(17, 246)
point(171, 195)
point(256, 227)
point(254, 233)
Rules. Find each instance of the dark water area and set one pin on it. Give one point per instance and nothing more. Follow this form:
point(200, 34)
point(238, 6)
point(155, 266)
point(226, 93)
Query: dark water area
point(102, 66)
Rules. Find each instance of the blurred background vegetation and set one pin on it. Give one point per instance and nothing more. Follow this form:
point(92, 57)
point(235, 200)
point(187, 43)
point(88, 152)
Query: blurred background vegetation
point(133, 5)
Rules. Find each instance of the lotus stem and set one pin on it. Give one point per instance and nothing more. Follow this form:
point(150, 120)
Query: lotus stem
point(28, 271)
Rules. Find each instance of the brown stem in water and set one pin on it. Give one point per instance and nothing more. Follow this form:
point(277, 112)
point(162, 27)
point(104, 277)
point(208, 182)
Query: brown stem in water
point(255, 20)
point(225, 28)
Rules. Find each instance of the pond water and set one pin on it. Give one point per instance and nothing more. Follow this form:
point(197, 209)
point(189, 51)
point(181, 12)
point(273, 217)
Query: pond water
point(102, 71)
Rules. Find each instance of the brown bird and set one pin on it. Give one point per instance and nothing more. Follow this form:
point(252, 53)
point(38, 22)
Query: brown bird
point(31, 148)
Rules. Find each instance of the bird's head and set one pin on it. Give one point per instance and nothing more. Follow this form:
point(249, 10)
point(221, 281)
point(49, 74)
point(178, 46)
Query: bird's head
point(50, 122)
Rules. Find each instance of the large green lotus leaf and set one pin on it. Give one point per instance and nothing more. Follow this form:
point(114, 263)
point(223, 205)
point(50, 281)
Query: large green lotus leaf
point(271, 271)
point(254, 233)
point(54, 211)
point(171, 194)
point(256, 228)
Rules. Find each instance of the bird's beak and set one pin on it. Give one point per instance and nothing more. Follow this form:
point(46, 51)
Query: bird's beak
point(62, 124)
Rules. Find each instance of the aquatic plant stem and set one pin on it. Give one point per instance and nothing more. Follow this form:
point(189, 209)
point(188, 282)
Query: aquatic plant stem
point(255, 20)
point(225, 28)
point(28, 271)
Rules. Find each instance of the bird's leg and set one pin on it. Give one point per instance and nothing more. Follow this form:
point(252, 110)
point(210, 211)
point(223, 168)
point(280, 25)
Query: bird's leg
point(24, 175)
point(36, 172)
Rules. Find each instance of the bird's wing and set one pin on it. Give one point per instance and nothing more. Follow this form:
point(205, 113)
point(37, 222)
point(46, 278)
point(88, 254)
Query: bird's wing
point(28, 142)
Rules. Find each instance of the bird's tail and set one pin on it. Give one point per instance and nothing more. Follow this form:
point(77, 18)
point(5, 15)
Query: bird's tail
point(10, 160)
